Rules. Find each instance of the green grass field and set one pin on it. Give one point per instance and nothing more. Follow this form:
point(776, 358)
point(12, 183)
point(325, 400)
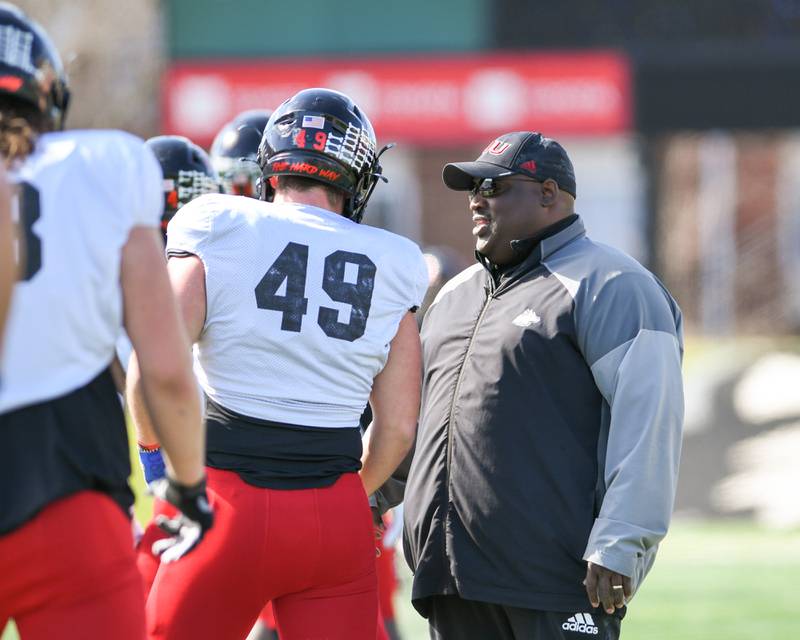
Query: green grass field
point(712, 581)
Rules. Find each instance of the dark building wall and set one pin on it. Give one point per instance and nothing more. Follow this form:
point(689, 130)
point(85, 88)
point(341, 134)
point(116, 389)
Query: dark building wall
point(698, 64)
point(630, 24)
point(717, 87)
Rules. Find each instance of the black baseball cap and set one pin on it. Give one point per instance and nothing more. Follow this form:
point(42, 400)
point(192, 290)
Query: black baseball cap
point(521, 152)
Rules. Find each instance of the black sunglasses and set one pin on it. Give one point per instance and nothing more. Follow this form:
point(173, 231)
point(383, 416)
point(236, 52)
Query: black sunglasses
point(489, 187)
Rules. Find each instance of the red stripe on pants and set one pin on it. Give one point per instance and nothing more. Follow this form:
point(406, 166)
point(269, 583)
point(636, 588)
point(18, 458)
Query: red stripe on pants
point(310, 551)
point(71, 573)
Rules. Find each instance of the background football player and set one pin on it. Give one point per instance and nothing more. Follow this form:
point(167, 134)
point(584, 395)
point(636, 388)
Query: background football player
point(89, 206)
point(187, 170)
point(187, 173)
point(234, 151)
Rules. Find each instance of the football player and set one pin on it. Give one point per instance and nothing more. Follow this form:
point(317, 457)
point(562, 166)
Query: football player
point(187, 173)
point(234, 150)
point(89, 207)
point(299, 316)
point(234, 156)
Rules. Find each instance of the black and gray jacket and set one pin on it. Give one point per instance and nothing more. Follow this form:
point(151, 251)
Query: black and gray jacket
point(550, 429)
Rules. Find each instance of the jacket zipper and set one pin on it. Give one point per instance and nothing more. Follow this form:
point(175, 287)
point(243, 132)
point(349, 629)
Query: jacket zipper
point(489, 297)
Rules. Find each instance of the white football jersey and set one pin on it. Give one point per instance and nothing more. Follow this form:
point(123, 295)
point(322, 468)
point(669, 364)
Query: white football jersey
point(78, 196)
point(302, 304)
point(124, 350)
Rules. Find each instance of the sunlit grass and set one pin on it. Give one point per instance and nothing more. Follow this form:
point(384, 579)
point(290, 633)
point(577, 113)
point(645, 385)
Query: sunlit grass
point(711, 581)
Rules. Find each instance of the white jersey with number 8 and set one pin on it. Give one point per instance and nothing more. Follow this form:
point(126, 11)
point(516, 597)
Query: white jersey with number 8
point(78, 197)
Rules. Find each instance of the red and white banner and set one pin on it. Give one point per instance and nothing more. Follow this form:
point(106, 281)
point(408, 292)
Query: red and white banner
point(434, 101)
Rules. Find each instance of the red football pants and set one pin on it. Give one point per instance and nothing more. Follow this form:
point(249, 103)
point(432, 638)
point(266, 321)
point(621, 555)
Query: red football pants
point(387, 584)
point(70, 573)
point(267, 615)
point(146, 560)
point(310, 551)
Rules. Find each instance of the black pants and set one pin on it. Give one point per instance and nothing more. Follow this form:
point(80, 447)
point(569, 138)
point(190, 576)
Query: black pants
point(453, 618)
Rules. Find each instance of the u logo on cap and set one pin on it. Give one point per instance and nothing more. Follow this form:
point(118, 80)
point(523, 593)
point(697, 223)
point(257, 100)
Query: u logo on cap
point(497, 147)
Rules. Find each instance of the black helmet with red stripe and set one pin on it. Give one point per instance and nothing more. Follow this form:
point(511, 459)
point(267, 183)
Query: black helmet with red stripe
point(187, 172)
point(234, 150)
point(323, 135)
point(30, 66)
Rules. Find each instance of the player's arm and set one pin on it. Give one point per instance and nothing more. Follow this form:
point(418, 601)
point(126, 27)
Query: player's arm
point(161, 388)
point(8, 269)
point(188, 284)
point(162, 394)
point(395, 407)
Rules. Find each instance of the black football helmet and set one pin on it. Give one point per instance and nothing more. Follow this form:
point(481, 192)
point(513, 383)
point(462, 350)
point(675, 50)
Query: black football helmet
point(234, 150)
point(187, 173)
point(30, 67)
point(322, 134)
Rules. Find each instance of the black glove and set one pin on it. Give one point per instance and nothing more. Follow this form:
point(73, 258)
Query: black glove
point(187, 529)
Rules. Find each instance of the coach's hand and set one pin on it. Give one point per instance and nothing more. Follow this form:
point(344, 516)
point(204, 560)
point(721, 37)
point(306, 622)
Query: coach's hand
point(190, 525)
point(606, 587)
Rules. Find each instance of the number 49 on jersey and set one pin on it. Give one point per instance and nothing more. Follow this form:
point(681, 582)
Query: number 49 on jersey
point(291, 266)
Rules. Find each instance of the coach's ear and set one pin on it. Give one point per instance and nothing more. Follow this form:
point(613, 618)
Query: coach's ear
point(549, 193)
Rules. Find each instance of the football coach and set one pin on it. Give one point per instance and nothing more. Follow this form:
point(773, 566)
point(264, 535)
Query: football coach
point(552, 408)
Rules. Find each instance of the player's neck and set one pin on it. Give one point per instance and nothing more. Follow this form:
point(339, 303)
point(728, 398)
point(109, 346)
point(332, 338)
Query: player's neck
point(312, 197)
